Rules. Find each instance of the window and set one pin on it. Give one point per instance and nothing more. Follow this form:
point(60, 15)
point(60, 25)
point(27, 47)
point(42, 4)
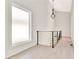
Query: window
point(20, 26)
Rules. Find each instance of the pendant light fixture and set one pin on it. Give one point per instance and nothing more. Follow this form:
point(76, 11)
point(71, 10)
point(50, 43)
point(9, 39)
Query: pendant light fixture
point(53, 11)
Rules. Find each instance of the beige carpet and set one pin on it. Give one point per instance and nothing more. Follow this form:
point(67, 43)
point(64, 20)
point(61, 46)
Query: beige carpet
point(63, 50)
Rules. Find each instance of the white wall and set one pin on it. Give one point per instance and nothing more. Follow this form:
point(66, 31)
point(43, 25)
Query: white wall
point(9, 50)
point(41, 11)
point(72, 22)
point(63, 23)
point(41, 21)
point(7, 26)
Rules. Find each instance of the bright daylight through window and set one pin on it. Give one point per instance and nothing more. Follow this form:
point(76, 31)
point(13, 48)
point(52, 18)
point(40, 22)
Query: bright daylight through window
point(20, 25)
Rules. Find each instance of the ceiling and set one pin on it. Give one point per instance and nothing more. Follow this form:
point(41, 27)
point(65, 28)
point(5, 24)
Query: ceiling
point(63, 5)
point(59, 5)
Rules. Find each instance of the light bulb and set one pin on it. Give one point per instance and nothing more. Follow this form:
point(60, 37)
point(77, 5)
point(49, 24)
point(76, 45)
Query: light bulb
point(53, 14)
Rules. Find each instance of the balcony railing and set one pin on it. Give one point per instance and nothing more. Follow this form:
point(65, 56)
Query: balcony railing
point(58, 36)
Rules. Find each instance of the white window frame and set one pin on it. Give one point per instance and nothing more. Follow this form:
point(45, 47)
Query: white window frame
point(30, 35)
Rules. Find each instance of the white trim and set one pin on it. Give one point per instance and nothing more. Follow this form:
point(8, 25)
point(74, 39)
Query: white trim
point(27, 10)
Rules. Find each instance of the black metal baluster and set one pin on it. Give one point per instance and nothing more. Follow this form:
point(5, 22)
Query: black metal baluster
point(52, 41)
point(57, 36)
point(37, 37)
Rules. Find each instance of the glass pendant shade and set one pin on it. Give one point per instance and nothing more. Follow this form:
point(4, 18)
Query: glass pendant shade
point(53, 14)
